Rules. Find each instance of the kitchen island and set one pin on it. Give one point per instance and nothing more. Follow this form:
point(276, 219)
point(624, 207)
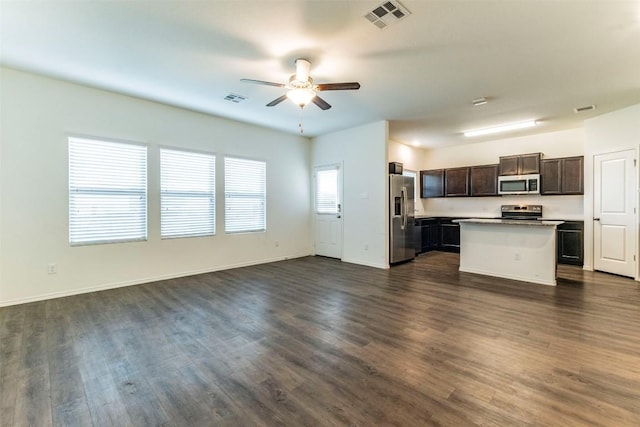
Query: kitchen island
point(513, 249)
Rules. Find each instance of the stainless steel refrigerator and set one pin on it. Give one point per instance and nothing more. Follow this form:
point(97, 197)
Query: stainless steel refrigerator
point(401, 217)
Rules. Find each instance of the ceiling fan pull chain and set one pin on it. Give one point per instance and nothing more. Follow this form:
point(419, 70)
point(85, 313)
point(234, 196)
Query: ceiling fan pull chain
point(300, 122)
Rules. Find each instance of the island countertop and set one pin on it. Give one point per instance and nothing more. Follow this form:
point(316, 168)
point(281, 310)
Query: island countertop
point(533, 222)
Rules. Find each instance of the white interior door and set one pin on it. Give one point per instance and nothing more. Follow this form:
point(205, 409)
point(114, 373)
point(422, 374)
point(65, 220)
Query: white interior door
point(328, 210)
point(614, 219)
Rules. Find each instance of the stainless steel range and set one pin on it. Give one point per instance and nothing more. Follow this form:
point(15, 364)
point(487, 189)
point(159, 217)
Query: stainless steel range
point(523, 212)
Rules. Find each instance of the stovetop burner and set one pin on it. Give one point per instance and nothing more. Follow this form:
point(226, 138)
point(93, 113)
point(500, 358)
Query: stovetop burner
point(521, 212)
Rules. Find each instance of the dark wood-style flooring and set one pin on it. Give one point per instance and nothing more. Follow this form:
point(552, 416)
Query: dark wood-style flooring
point(317, 342)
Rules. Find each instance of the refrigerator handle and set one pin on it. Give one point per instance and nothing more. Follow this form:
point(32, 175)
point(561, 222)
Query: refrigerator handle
point(403, 209)
point(406, 207)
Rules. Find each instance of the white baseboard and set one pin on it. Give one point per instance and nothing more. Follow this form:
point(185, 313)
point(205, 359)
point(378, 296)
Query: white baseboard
point(510, 276)
point(104, 287)
point(365, 263)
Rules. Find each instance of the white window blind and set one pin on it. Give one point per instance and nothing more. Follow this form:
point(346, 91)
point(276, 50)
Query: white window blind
point(327, 191)
point(245, 185)
point(187, 194)
point(107, 192)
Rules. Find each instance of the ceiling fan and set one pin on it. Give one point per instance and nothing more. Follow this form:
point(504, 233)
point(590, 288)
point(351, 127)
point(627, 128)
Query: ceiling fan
point(301, 88)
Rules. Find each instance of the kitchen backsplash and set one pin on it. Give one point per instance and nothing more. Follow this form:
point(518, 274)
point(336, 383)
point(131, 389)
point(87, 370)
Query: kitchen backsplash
point(557, 207)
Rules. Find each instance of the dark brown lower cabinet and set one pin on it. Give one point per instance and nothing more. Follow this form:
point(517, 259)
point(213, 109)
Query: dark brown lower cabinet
point(570, 243)
point(430, 235)
point(417, 236)
point(449, 235)
point(442, 234)
point(436, 234)
point(426, 234)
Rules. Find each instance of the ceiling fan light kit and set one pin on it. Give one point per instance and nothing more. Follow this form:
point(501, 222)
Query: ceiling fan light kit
point(301, 96)
point(501, 128)
point(302, 70)
point(302, 91)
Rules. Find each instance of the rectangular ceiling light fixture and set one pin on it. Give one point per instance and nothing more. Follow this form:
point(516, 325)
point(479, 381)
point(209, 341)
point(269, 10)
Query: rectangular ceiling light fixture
point(501, 128)
point(387, 13)
point(479, 101)
point(583, 109)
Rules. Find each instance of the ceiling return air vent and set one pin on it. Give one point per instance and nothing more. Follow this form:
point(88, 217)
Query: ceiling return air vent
point(387, 13)
point(235, 98)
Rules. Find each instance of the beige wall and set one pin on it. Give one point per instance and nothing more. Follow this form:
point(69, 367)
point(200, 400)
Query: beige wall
point(551, 144)
point(616, 131)
point(413, 159)
point(38, 114)
point(362, 152)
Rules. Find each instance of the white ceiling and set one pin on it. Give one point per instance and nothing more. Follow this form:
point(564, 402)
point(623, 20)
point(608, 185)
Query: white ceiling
point(533, 59)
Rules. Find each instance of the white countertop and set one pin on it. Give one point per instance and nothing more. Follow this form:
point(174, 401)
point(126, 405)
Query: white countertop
point(533, 222)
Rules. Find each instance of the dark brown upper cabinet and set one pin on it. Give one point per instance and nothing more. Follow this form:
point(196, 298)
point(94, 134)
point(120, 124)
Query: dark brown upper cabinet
point(522, 164)
point(484, 180)
point(573, 175)
point(562, 176)
point(432, 183)
point(456, 182)
point(551, 176)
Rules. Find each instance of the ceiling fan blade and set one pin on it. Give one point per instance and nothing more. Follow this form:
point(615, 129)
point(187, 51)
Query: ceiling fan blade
point(302, 69)
point(338, 86)
point(262, 82)
point(321, 102)
point(277, 101)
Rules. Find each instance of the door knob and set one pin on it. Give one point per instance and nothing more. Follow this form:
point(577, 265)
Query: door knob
point(596, 219)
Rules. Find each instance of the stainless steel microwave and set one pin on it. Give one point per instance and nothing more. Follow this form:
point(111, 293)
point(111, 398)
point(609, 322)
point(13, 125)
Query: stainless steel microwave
point(519, 184)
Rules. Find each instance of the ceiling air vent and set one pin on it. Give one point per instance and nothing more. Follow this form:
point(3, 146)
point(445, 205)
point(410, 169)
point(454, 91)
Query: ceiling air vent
point(234, 97)
point(387, 13)
point(583, 109)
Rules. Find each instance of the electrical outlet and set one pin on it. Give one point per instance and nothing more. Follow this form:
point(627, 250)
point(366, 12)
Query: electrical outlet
point(366, 246)
point(277, 243)
point(52, 268)
point(516, 256)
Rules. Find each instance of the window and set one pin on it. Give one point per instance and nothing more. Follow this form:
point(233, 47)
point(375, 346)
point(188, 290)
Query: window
point(327, 191)
point(244, 195)
point(107, 192)
point(187, 194)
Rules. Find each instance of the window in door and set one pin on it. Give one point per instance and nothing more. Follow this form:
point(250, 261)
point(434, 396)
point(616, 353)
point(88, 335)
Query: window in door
point(327, 191)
